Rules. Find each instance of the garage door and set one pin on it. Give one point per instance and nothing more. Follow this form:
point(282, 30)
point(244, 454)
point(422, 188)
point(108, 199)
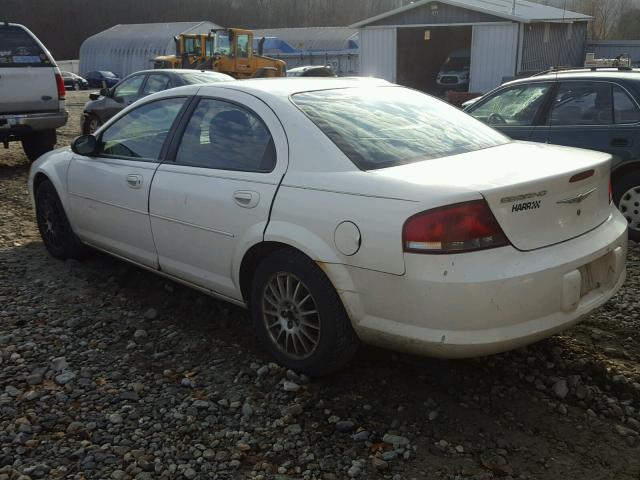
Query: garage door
point(494, 49)
point(378, 53)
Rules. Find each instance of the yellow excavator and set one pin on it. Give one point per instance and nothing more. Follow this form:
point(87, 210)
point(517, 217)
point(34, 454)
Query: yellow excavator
point(227, 51)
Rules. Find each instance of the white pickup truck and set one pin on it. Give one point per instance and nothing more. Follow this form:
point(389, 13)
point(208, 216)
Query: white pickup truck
point(32, 94)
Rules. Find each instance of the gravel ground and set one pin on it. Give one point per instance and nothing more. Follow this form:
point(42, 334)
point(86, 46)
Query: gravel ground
point(110, 372)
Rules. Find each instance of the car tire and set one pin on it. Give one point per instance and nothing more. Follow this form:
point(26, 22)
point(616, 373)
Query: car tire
point(38, 143)
point(90, 124)
point(315, 343)
point(54, 227)
point(626, 195)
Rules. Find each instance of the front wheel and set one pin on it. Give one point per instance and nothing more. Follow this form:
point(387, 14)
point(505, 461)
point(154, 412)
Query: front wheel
point(56, 233)
point(627, 198)
point(299, 317)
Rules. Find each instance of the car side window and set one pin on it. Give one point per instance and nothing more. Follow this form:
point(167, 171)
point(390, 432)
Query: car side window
point(141, 133)
point(582, 103)
point(517, 105)
point(156, 83)
point(129, 87)
point(625, 110)
point(225, 136)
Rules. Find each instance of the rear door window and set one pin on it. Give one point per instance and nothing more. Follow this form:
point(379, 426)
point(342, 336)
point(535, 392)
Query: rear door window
point(582, 103)
point(19, 49)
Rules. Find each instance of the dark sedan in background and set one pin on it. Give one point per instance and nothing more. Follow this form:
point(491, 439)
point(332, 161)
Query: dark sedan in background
point(73, 81)
point(97, 79)
point(108, 102)
point(593, 109)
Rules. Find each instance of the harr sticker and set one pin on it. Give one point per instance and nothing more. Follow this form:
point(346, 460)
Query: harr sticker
point(519, 207)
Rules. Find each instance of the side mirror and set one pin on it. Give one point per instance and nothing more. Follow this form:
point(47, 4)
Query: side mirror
point(104, 92)
point(85, 145)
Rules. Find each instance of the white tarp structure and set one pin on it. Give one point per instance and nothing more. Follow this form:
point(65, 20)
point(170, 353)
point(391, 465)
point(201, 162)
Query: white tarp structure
point(128, 48)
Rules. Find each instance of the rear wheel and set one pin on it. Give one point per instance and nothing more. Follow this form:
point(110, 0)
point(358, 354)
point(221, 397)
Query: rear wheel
point(298, 315)
point(627, 198)
point(56, 233)
point(38, 143)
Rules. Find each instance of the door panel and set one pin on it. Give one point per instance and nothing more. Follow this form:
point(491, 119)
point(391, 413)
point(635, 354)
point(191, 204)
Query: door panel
point(109, 193)
point(582, 115)
point(206, 206)
point(109, 211)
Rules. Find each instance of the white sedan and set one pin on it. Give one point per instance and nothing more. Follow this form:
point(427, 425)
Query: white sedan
point(340, 211)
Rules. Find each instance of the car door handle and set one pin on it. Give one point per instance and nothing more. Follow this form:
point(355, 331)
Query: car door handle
point(620, 142)
point(134, 181)
point(246, 198)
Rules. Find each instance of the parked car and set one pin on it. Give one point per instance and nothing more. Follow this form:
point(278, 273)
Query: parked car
point(74, 82)
point(32, 94)
point(312, 71)
point(108, 102)
point(341, 210)
point(454, 74)
point(97, 79)
point(598, 110)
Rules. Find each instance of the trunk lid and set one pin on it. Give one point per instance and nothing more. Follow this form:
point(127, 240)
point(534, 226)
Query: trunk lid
point(27, 73)
point(528, 187)
point(40, 96)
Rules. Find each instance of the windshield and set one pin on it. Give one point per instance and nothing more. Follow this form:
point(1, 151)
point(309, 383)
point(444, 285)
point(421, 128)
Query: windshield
point(457, 63)
point(388, 126)
point(109, 74)
point(19, 49)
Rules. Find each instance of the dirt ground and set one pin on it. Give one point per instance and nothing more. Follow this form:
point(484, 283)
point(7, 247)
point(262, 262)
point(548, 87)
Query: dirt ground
point(158, 381)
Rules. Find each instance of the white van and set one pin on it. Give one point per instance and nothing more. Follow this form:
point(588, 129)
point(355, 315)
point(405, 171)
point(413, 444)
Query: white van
point(454, 74)
point(32, 94)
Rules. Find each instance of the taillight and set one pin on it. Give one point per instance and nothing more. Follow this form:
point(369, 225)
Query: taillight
point(610, 192)
point(462, 227)
point(60, 85)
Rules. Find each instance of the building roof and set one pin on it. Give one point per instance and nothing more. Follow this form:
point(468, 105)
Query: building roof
point(525, 11)
point(127, 48)
point(310, 39)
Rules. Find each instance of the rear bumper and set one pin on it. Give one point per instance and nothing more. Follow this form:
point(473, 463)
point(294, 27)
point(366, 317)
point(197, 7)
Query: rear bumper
point(16, 125)
point(481, 303)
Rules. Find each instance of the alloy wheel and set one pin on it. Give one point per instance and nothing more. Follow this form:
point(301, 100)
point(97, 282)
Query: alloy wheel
point(291, 315)
point(52, 222)
point(630, 207)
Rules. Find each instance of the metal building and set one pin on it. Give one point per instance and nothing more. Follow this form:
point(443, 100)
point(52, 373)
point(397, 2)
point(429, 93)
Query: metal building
point(335, 46)
point(506, 38)
point(128, 48)
point(614, 48)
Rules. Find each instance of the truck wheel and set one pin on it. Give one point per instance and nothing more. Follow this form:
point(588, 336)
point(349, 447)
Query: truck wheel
point(90, 124)
point(38, 143)
point(299, 317)
point(55, 230)
point(626, 195)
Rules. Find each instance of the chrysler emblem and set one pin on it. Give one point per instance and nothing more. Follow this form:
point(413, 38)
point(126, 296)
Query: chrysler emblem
point(577, 199)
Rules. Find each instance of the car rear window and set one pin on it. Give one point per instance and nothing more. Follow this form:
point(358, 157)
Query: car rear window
point(388, 126)
point(19, 49)
point(204, 77)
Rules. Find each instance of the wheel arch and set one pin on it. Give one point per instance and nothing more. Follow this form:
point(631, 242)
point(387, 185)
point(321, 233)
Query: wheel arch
point(624, 169)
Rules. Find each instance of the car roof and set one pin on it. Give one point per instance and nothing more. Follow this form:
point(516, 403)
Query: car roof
point(286, 86)
point(583, 74)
